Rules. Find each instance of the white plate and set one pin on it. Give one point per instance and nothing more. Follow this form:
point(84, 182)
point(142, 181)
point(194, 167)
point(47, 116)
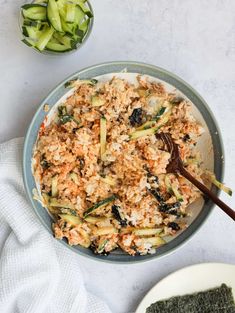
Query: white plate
point(191, 279)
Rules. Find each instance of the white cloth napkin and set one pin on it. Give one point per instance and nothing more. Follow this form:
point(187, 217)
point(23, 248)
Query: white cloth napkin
point(37, 274)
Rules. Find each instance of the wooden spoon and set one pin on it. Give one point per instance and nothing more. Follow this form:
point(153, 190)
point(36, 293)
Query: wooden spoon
point(176, 166)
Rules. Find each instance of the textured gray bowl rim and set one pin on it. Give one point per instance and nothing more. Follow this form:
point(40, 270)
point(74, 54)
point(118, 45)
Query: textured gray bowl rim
point(131, 67)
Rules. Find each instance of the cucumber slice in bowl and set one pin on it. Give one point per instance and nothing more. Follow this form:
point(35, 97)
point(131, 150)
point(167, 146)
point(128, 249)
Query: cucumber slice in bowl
point(35, 12)
point(83, 6)
point(29, 42)
point(40, 1)
point(84, 26)
point(57, 46)
point(55, 25)
point(31, 32)
point(70, 12)
point(79, 15)
point(61, 4)
point(53, 15)
point(44, 38)
point(71, 31)
point(31, 23)
point(65, 40)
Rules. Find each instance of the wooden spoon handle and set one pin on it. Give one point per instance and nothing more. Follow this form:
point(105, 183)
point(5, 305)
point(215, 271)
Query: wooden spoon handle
point(207, 192)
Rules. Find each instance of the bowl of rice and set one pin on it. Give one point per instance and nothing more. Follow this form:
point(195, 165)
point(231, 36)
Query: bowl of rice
point(95, 171)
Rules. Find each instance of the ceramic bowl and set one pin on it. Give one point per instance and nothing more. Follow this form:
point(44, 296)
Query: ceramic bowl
point(210, 146)
point(54, 53)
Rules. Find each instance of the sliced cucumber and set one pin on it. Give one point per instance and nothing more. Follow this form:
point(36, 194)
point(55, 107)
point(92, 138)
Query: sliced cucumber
point(55, 203)
point(103, 135)
point(46, 199)
point(144, 130)
point(57, 47)
point(142, 133)
point(146, 125)
point(29, 42)
point(96, 219)
point(96, 101)
point(84, 7)
point(54, 40)
point(172, 189)
point(86, 242)
point(65, 40)
point(84, 26)
point(73, 220)
point(102, 245)
point(108, 180)
point(99, 205)
point(31, 32)
point(71, 29)
point(64, 116)
point(147, 231)
point(79, 15)
point(25, 31)
point(193, 160)
point(154, 119)
point(61, 4)
point(154, 241)
point(218, 184)
point(177, 194)
point(77, 82)
point(67, 18)
point(70, 12)
point(31, 23)
point(41, 1)
point(109, 230)
point(162, 115)
point(79, 32)
point(168, 184)
point(34, 12)
point(74, 177)
point(54, 184)
point(71, 18)
point(68, 28)
point(44, 38)
point(53, 15)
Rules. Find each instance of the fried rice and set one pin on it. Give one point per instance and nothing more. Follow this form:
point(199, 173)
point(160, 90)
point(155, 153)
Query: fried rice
point(102, 170)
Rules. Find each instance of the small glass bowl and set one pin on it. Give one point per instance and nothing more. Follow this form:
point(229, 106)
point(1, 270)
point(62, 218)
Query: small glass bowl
point(47, 52)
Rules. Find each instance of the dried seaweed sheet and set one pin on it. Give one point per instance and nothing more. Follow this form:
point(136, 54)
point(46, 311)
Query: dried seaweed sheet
point(217, 300)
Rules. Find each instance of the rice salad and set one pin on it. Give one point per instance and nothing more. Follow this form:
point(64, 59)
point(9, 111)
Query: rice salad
point(102, 170)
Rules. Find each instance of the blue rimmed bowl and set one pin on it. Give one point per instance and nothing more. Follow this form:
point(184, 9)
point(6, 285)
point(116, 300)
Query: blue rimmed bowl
point(210, 146)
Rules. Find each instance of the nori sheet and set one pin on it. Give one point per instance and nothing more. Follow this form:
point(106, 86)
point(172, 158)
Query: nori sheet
point(217, 300)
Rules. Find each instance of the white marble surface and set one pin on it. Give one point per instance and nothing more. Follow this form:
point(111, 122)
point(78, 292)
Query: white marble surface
point(194, 39)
